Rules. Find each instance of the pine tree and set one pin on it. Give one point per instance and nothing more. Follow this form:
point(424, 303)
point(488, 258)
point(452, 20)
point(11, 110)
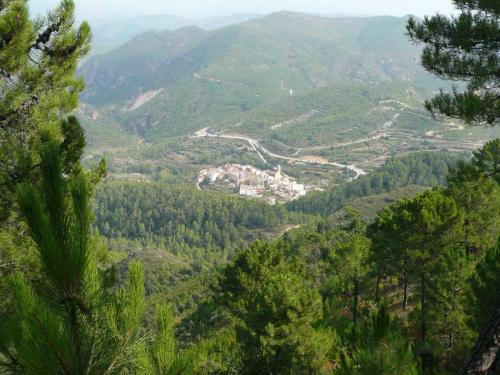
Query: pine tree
point(485, 287)
point(38, 60)
point(448, 297)
point(474, 185)
point(479, 202)
point(485, 163)
point(158, 356)
point(487, 160)
point(464, 48)
point(484, 356)
point(419, 232)
point(382, 350)
point(348, 261)
point(390, 253)
point(70, 322)
point(275, 312)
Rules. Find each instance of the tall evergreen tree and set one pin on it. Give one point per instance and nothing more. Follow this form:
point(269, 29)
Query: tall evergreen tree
point(38, 60)
point(70, 322)
point(275, 311)
point(421, 231)
point(347, 264)
point(485, 287)
point(158, 355)
point(390, 253)
point(464, 48)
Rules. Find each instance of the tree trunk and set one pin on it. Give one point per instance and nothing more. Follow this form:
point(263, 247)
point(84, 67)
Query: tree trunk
point(423, 313)
point(356, 299)
point(485, 356)
point(425, 355)
point(377, 290)
point(405, 290)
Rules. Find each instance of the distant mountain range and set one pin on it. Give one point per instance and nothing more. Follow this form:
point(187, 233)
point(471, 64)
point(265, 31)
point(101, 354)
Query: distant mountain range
point(111, 34)
point(173, 82)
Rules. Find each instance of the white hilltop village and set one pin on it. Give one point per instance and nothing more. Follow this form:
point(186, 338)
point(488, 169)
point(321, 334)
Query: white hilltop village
point(273, 185)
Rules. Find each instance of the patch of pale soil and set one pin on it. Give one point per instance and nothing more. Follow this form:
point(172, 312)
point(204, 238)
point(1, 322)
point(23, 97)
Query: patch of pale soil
point(300, 118)
point(404, 105)
point(289, 227)
point(383, 108)
point(141, 100)
point(455, 126)
point(211, 79)
point(314, 159)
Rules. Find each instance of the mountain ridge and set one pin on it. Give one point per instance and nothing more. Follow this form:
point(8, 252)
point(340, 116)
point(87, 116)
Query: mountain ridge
point(244, 66)
point(329, 91)
point(109, 35)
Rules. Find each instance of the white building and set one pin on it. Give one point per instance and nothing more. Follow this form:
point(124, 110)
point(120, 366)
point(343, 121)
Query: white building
point(298, 188)
point(213, 175)
point(251, 190)
point(254, 182)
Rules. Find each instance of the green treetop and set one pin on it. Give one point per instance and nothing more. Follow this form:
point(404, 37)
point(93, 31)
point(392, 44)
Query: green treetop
point(38, 60)
point(276, 311)
point(487, 160)
point(68, 322)
point(485, 163)
point(464, 48)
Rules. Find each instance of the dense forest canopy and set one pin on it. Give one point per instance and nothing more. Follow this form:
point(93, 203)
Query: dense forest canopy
point(424, 169)
point(185, 221)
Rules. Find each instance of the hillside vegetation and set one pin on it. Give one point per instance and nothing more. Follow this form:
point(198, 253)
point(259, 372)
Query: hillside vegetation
point(204, 76)
point(335, 90)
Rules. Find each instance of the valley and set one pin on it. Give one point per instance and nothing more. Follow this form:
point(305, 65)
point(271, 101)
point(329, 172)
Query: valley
point(347, 145)
point(326, 98)
point(259, 149)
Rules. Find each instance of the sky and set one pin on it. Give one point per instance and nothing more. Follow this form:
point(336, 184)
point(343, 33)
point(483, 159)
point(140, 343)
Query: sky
point(197, 9)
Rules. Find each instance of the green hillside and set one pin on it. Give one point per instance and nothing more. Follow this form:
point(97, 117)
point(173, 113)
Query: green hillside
point(111, 34)
point(313, 90)
point(206, 76)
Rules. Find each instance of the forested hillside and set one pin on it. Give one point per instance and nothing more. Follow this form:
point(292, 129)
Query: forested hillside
point(174, 82)
point(424, 169)
point(356, 288)
point(187, 221)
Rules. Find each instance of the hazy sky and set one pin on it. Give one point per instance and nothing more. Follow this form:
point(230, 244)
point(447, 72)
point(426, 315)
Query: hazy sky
point(110, 9)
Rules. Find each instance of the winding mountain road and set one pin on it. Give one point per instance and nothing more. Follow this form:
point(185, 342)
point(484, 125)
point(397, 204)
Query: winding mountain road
point(259, 149)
